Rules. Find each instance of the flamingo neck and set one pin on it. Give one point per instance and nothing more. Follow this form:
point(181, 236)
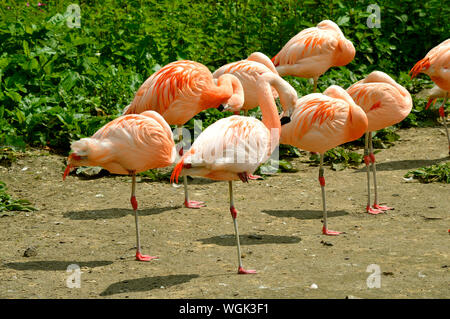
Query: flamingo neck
point(268, 107)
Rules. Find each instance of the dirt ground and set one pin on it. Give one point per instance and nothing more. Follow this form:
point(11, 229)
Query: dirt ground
point(90, 223)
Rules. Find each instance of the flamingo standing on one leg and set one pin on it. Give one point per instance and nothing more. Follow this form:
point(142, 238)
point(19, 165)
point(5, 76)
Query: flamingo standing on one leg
point(313, 51)
point(233, 147)
point(127, 145)
point(321, 122)
point(436, 64)
point(248, 72)
point(182, 89)
point(386, 103)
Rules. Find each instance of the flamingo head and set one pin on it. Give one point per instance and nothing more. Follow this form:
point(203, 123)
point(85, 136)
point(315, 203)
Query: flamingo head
point(74, 160)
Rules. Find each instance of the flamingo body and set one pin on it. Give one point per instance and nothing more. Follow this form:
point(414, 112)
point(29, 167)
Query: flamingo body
point(311, 52)
point(130, 143)
point(182, 89)
point(384, 101)
point(320, 122)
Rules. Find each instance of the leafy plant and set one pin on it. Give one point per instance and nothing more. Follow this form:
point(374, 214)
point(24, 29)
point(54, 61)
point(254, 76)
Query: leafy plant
point(339, 158)
point(8, 204)
point(434, 173)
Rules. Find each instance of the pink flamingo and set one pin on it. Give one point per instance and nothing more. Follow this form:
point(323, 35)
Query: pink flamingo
point(320, 122)
point(248, 72)
point(386, 103)
point(233, 147)
point(127, 145)
point(313, 51)
point(182, 89)
point(436, 64)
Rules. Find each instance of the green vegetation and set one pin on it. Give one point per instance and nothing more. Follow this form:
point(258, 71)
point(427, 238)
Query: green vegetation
point(8, 204)
point(59, 83)
point(434, 173)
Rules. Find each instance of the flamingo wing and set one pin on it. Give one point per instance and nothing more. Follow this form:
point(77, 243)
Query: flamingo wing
point(159, 91)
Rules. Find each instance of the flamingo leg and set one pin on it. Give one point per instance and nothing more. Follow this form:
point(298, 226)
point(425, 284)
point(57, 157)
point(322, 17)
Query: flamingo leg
point(367, 160)
point(134, 204)
point(325, 229)
point(372, 159)
point(233, 211)
point(187, 203)
point(315, 79)
point(444, 121)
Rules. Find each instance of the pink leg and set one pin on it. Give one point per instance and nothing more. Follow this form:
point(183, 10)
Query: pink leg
point(134, 204)
point(325, 229)
point(233, 212)
point(372, 160)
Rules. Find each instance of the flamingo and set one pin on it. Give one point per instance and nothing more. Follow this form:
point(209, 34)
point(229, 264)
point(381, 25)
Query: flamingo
point(248, 72)
point(233, 147)
point(127, 145)
point(182, 89)
point(311, 52)
point(436, 64)
point(386, 103)
point(320, 122)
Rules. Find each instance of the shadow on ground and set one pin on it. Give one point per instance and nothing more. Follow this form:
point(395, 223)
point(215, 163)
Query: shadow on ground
point(252, 239)
point(404, 164)
point(116, 213)
point(146, 284)
point(52, 265)
point(304, 214)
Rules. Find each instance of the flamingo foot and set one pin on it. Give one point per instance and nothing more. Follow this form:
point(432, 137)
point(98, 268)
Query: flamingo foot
point(330, 232)
point(254, 177)
point(373, 211)
point(141, 257)
point(243, 271)
point(383, 208)
point(194, 204)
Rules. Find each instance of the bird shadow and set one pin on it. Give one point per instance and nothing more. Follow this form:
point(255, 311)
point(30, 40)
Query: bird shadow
point(111, 213)
point(230, 240)
point(52, 265)
point(304, 213)
point(404, 164)
point(146, 284)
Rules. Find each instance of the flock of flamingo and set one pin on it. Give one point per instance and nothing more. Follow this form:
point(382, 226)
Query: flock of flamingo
point(232, 148)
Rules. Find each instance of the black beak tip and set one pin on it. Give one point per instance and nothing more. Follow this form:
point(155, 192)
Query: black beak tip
point(285, 120)
point(220, 108)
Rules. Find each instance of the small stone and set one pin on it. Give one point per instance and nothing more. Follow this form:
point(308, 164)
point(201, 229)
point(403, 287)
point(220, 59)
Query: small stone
point(30, 252)
point(352, 297)
point(313, 286)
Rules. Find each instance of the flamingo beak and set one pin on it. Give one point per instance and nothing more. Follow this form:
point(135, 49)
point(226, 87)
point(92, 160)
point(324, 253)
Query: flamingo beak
point(67, 171)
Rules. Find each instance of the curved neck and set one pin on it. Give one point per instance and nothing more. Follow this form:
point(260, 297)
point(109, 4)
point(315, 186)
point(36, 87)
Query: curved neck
point(226, 89)
point(267, 102)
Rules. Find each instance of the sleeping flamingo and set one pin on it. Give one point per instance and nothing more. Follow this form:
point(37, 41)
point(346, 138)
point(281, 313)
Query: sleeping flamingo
point(127, 145)
point(386, 103)
point(233, 147)
point(182, 89)
point(436, 64)
point(248, 72)
point(313, 51)
point(320, 122)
